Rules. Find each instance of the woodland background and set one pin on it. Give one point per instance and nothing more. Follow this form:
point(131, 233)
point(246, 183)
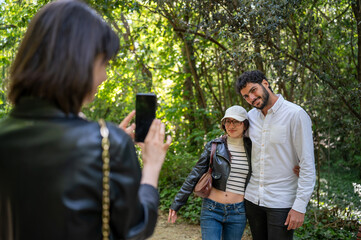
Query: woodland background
point(190, 52)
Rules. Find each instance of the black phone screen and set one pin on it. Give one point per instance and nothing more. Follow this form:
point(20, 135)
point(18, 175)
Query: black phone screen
point(145, 107)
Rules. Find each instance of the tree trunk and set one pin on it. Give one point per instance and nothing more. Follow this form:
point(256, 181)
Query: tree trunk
point(356, 8)
point(199, 92)
point(188, 98)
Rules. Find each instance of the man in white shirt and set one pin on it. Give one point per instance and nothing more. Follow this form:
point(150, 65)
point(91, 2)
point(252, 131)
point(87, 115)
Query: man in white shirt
point(281, 134)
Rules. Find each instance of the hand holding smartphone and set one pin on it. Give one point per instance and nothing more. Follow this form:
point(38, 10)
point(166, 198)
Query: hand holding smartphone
point(154, 151)
point(145, 107)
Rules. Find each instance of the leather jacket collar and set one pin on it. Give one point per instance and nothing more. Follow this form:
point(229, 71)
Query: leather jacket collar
point(30, 107)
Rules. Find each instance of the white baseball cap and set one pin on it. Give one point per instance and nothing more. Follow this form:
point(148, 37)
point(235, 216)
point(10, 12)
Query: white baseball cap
point(236, 112)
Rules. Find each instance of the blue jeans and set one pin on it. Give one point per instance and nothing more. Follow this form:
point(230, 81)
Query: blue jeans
point(222, 221)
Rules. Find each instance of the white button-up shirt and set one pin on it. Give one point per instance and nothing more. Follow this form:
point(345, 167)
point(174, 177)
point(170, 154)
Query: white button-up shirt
point(281, 140)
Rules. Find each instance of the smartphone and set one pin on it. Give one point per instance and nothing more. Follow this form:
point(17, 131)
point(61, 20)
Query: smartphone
point(145, 107)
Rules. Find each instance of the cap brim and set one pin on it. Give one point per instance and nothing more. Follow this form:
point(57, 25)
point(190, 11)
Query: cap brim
point(238, 118)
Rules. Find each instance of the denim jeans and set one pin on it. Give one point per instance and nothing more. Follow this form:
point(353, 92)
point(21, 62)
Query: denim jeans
point(222, 221)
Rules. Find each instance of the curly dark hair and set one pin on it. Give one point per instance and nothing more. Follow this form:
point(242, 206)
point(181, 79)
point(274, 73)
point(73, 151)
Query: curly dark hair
point(254, 76)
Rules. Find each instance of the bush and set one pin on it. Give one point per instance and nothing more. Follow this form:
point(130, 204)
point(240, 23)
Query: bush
point(338, 212)
point(176, 168)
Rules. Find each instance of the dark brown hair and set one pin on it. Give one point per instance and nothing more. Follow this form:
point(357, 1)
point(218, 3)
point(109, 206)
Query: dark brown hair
point(56, 56)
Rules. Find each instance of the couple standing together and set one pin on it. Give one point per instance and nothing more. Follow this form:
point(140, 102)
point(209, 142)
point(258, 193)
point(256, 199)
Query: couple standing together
point(266, 173)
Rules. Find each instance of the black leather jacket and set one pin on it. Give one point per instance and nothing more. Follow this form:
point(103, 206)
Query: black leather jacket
point(220, 170)
point(51, 173)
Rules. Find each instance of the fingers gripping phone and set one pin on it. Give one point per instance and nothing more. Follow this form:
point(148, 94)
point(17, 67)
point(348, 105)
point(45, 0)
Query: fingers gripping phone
point(145, 107)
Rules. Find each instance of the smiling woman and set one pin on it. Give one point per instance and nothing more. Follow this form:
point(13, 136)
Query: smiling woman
point(231, 170)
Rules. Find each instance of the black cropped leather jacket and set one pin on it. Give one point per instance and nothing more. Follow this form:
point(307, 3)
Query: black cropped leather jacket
point(221, 168)
point(51, 178)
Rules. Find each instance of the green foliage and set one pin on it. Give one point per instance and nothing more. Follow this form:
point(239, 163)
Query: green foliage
point(190, 212)
point(14, 19)
point(176, 168)
point(339, 212)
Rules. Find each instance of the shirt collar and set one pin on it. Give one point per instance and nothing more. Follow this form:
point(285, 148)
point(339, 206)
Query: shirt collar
point(278, 103)
point(275, 106)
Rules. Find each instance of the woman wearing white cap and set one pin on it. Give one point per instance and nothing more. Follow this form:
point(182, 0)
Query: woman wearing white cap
point(223, 213)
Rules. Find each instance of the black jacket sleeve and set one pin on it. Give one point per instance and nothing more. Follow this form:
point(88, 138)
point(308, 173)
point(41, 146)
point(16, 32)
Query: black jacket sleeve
point(134, 207)
point(191, 181)
point(145, 226)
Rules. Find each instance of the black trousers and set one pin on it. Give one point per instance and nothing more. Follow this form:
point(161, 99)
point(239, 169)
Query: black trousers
point(268, 223)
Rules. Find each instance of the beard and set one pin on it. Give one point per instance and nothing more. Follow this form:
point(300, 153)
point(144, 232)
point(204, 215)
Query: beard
point(264, 98)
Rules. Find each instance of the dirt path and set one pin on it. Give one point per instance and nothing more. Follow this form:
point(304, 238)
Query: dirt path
point(181, 230)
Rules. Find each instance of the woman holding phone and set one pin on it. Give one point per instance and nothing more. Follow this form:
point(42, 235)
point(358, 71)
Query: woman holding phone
point(51, 168)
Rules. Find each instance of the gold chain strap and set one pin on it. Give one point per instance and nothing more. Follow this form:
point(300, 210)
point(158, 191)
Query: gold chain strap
point(104, 132)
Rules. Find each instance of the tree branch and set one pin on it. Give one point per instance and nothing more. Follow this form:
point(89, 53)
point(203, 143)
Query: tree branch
point(4, 27)
point(335, 88)
point(204, 36)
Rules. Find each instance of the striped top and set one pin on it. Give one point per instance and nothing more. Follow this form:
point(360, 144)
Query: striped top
point(239, 166)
